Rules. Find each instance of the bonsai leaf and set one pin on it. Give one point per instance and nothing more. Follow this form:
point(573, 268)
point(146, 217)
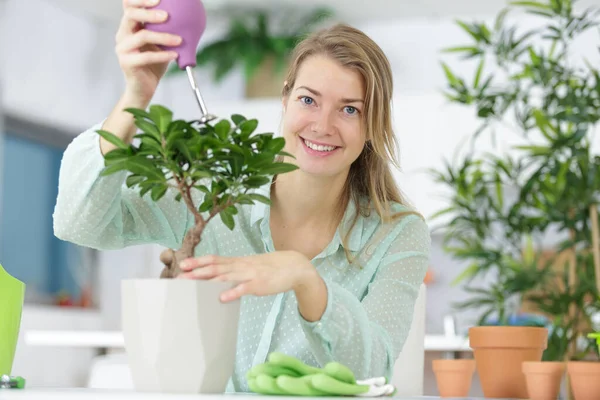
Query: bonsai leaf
point(248, 127)
point(161, 116)
point(222, 128)
point(227, 218)
point(158, 191)
point(139, 113)
point(286, 154)
point(113, 168)
point(238, 119)
point(117, 155)
point(279, 168)
point(149, 128)
point(113, 139)
point(276, 145)
point(133, 180)
point(255, 182)
point(259, 197)
point(145, 167)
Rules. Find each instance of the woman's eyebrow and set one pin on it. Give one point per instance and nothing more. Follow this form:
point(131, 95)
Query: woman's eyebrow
point(344, 100)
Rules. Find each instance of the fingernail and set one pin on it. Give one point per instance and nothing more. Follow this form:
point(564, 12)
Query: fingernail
point(153, 2)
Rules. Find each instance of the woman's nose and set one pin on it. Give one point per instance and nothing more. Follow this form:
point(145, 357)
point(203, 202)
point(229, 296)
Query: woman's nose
point(323, 123)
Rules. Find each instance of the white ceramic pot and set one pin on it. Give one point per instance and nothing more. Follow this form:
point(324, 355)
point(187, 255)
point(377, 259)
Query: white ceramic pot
point(178, 335)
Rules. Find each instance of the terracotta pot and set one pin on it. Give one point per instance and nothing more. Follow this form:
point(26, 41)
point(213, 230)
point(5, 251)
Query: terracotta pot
point(454, 377)
point(585, 379)
point(543, 379)
point(499, 355)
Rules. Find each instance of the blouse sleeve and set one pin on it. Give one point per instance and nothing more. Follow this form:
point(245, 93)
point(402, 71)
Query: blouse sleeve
point(368, 335)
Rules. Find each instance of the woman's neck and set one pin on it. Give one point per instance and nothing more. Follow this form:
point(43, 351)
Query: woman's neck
point(301, 200)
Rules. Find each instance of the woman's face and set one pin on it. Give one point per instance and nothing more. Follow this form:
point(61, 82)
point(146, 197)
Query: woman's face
point(322, 121)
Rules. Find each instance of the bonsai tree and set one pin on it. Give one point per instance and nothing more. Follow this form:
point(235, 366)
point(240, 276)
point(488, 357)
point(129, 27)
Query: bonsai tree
point(224, 161)
point(504, 207)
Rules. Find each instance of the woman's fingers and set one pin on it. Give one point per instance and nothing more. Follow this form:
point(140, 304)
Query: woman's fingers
point(144, 15)
point(140, 3)
point(135, 14)
point(145, 37)
point(147, 58)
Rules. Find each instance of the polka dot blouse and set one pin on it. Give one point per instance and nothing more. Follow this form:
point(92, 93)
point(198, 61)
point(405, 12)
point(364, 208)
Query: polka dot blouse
point(370, 301)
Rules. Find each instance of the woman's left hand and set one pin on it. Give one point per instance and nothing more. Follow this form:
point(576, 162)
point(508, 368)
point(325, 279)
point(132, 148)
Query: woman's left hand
point(259, 275)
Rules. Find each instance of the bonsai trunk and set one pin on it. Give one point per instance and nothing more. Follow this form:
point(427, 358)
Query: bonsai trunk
point(171, 259)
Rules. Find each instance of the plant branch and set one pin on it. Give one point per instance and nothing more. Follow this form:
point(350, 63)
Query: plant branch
point(595, 243)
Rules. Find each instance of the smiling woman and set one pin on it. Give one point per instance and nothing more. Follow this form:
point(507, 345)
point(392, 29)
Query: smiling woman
point(331, 268)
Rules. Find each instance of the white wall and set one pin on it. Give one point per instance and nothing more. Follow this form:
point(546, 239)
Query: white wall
point(60, 69)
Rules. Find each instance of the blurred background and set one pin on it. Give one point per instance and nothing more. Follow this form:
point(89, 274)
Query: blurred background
point(59, 75)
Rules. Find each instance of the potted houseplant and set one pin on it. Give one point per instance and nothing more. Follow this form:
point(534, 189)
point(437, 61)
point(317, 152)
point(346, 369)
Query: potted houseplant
point(179, 337)
point(585, 374)
point(503, 206)
point(261, 43)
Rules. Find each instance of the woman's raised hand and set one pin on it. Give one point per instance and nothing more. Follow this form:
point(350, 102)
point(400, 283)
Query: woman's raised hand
point(142, 61)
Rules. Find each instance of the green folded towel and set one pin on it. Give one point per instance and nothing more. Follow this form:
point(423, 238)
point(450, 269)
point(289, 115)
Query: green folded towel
point(12, 295)
point(285, 375)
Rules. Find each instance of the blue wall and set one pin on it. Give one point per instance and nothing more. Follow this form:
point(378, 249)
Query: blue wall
point(28, 248)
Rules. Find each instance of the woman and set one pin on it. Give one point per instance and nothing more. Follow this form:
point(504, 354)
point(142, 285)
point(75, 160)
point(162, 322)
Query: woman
point(307, 285)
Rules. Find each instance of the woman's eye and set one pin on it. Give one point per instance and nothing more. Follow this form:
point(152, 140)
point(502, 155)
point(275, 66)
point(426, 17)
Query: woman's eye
point(306, 100)
point(351, 110)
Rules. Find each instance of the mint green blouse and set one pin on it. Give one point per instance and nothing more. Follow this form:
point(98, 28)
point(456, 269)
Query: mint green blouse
point(369, 308)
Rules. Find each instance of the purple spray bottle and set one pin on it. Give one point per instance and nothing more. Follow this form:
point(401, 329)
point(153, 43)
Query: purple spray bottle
point(187, 18)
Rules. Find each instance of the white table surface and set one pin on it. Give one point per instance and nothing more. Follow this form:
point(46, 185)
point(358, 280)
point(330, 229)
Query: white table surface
point(114, 340)
point(90, 394)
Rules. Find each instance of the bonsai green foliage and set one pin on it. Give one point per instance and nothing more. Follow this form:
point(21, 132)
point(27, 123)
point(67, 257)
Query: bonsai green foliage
point(224, 162)
point(528, 79)
point(251, 40)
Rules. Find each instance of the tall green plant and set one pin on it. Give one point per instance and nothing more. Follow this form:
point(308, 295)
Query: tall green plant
point(502, 206)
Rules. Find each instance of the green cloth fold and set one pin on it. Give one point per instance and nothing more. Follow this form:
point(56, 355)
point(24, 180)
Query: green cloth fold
point(12, 296)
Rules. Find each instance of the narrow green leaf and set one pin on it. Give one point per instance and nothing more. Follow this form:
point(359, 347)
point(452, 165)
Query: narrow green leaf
point(113, 139)
point(138, 113)
point(248, 126)
point(133, 180)
point(276, 145)
point(449, 74)
point(259, 197)
point(145, 167)
point(149, 128)
point(227, 219)
point(206, 205)
point(467, 273)
point(478, 73)
point(256, 181)
point(161, 116)
point(531, 4)
point(223, 127)
point(113, 168)
point(237, 119)
point(117, 155)
point(278, 168)
point(286, 154)
point(462, 49)
point(158, 192)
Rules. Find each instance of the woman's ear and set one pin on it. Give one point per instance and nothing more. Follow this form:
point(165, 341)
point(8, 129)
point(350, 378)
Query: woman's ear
point(284, 98)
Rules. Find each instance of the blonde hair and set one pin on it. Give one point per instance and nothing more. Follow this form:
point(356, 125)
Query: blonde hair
point(370, 175)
